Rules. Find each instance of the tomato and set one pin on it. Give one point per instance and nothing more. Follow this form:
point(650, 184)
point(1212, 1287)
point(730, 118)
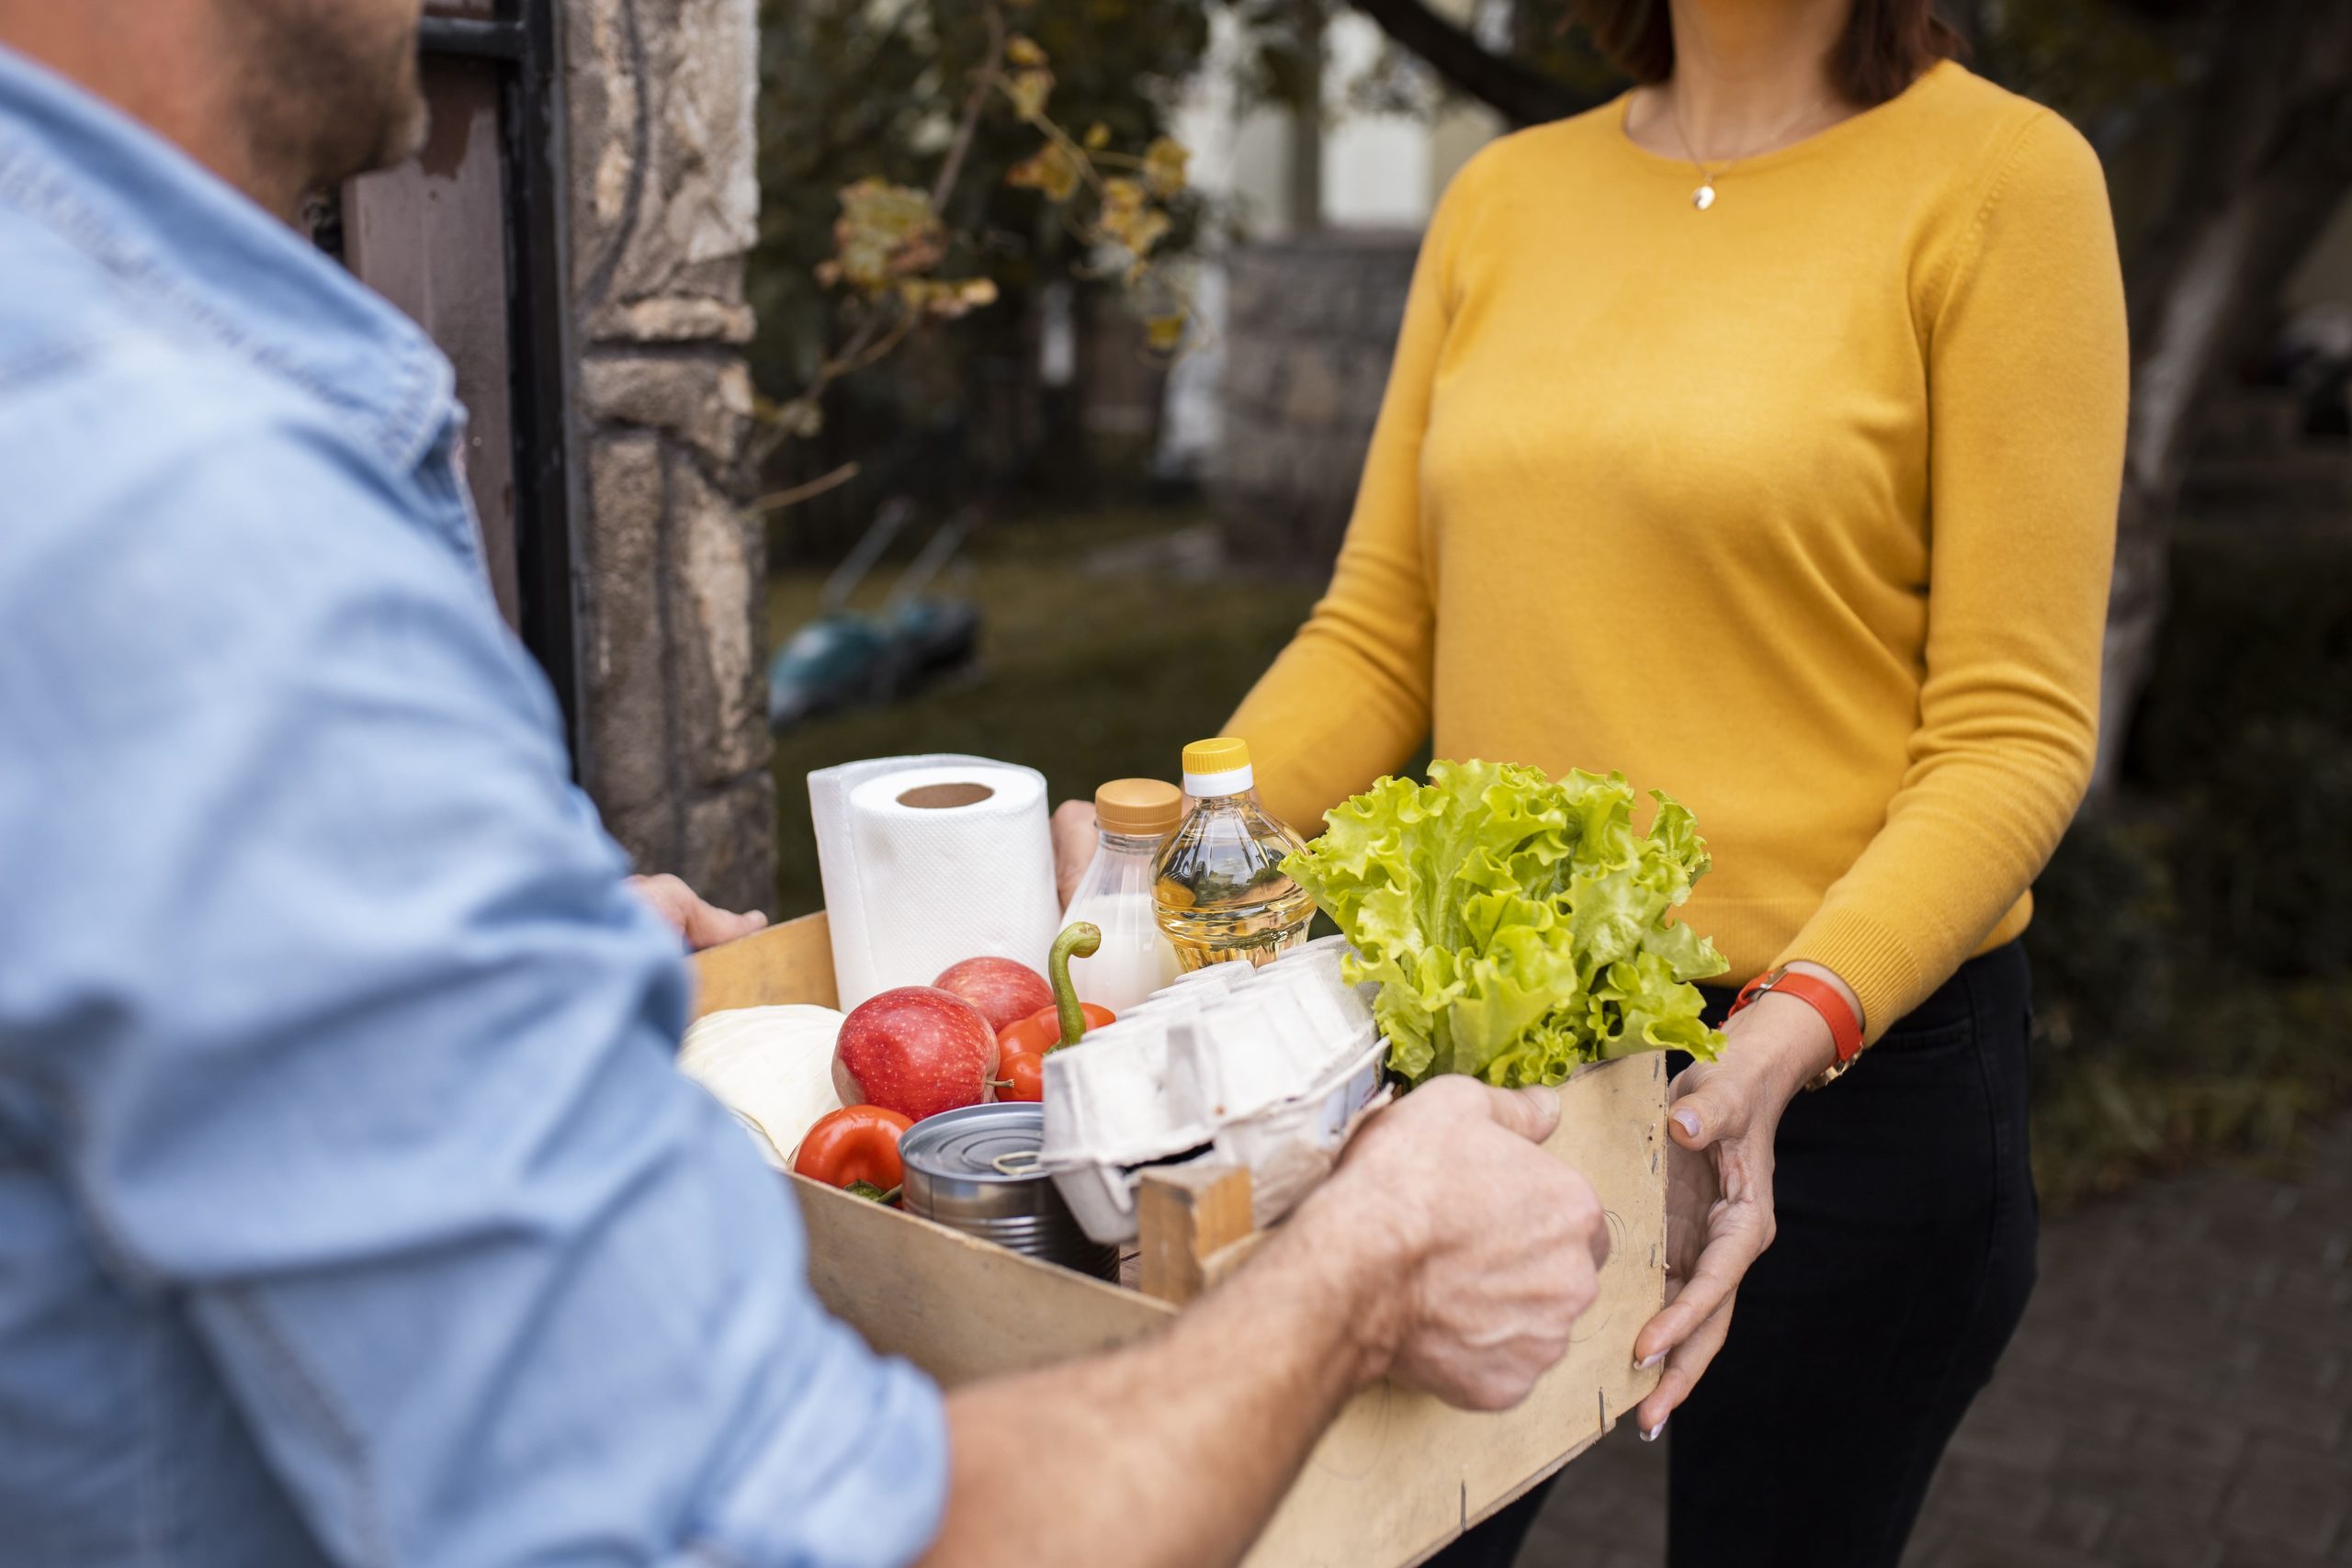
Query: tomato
point(857, 1143)
point(1021, 1076)
point(1042, 1032)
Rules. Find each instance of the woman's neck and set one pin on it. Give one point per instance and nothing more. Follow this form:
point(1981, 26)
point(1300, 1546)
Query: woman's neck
point(1750, 75)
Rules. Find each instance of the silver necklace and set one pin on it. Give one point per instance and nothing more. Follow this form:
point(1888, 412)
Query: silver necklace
point(1704, 196)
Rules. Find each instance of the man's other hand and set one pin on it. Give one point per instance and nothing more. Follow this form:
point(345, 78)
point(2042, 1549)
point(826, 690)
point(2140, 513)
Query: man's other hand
point(1495, 1245)
point(701, 923)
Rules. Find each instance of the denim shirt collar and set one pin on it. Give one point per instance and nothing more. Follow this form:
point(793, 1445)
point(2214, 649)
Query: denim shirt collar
point(197, 251)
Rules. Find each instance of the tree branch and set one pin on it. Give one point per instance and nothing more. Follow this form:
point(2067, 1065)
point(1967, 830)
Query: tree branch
point(1519, 95)
point(951, 169)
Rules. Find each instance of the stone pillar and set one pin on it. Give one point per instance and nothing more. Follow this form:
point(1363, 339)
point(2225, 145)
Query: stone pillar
point(1310, 327)
point(664, 207)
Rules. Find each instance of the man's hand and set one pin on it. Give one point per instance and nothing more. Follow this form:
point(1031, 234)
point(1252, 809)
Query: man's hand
point(1447, 1251)
point(702, 924)
point(1075, 835)
point(1494, 1247)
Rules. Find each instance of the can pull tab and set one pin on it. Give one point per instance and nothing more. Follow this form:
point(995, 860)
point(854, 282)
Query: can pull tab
point(1018, 1162)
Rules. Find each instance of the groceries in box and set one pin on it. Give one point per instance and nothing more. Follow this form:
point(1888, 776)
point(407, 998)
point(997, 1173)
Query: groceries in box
point(1264, 1068)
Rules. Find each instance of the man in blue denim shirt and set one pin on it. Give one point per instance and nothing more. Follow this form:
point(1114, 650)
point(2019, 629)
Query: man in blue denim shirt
point(350, 1208)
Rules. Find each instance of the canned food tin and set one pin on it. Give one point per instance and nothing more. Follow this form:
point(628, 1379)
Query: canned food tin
point(976, 1171)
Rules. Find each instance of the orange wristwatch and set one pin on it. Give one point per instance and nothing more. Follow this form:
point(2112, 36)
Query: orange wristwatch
point(1845, 1029)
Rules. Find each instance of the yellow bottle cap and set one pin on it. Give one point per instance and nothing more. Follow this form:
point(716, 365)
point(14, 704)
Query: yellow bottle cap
point(1139, 808)
point(1225, 754)
point(1218, 767)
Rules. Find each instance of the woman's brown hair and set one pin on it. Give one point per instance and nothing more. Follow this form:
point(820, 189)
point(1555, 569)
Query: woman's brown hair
point(1886, 43)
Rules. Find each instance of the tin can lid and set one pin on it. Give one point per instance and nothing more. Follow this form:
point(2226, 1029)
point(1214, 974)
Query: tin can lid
point(980, 1143)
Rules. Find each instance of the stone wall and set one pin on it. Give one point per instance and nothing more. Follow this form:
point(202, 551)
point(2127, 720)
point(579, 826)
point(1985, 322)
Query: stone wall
point(1310, 326)
point(664, 205)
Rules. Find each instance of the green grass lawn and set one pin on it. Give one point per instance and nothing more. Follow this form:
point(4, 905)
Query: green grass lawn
point(1081, 676)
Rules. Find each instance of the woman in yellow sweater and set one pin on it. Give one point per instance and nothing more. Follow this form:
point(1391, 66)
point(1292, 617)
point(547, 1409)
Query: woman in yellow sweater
point(1760, 435)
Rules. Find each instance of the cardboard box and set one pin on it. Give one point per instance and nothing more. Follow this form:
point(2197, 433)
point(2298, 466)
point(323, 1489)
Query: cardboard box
point(1398, 1474)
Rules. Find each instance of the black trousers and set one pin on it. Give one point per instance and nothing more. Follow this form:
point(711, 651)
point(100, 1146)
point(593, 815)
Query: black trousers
point(1904, 1255)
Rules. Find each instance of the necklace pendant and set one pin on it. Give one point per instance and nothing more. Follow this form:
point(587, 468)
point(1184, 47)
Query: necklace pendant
point(1703, 198)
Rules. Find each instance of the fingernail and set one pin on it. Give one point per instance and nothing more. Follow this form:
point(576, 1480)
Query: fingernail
point(1688, 1121)
point(1651, 1435)
point(1652, 1360)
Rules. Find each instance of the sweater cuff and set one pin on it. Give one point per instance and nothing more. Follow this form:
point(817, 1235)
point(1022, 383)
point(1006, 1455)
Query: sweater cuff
point(1868, 956)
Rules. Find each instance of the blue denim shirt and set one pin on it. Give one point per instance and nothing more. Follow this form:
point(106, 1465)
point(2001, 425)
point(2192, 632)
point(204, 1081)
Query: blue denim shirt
point(350, 1208)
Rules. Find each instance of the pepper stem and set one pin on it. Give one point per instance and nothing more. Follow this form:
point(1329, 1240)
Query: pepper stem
point(1079, 939)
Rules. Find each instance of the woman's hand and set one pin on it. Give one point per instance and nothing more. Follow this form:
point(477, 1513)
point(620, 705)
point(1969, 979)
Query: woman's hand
point(1719, 1187)
point(701, 923)
point(1075, 834)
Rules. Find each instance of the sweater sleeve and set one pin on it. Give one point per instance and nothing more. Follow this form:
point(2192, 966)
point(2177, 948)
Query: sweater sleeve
point(1348, 699)
point(2028, 372)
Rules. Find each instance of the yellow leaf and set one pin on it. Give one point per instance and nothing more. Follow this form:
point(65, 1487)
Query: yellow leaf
point(1029, 90)
point(1165, 334)
point(1164, 165)
point(885, 232)
point(1022, 50)
point(1098, 136)
point(1121, 197)
point(1129, 218)
point(950, 299)
point(1051, 170)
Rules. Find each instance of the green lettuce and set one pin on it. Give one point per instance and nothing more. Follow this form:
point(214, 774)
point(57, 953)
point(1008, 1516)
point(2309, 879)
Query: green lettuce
point(1517, 928)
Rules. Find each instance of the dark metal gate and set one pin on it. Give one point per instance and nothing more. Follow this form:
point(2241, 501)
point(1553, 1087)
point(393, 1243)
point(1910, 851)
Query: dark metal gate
point(469, 240)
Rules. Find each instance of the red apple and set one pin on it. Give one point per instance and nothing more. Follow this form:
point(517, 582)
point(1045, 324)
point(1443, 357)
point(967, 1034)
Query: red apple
point(1005, 990)
point(917, 1050)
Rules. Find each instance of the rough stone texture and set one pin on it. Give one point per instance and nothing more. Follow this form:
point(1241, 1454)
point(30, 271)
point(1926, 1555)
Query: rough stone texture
point(717, 564)
point(2178, 1396)
point(664, 207)
point(704, 401)
point(1310, 327)
point(664, 185)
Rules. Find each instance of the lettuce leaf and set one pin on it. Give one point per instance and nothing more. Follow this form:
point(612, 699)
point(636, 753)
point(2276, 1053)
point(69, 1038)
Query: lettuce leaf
point(1517, 928)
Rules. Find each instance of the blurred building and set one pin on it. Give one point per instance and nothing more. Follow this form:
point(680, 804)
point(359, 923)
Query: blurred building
point(1273, 411)
point(1300, 311)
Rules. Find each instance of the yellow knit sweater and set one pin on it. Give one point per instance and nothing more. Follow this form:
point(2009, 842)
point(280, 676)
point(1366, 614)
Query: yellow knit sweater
point(1801, 508)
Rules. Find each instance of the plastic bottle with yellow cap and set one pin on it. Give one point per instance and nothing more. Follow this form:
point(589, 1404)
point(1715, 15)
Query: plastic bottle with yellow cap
point(1135, 817)
point(1218, 883)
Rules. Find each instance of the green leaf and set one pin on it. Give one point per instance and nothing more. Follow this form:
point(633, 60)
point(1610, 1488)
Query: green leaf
point(1516, 928)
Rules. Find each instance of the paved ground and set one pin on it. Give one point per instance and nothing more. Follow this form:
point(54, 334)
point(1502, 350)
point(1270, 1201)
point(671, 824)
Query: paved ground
point(2180, 1396)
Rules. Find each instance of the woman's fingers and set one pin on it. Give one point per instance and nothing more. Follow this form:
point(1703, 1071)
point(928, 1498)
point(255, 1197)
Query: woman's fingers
point(1688, 1364)
point(1737, 1237)
point(1074, 834)
point(702, 923)
point(1708, 1108)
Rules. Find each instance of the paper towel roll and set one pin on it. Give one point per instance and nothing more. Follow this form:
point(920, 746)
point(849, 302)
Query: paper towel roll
point(931, 860)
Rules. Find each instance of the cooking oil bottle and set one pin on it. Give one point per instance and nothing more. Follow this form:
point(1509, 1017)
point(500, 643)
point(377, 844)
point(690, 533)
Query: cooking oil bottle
point(1217, 884)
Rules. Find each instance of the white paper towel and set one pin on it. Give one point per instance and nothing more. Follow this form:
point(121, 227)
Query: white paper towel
point(911, 888)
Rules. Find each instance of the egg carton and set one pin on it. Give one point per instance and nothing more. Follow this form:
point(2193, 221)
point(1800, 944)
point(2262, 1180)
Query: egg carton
point(1267, 1068)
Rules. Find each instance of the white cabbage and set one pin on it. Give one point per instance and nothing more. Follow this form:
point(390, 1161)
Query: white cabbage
point(772, 1066)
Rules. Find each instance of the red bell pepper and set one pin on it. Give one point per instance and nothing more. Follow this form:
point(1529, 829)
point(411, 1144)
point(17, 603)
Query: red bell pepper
point(1022, 1076)
point(1067, 1021)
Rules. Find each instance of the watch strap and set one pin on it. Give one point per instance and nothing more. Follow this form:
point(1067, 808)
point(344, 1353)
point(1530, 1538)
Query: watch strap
point(1845, 1028)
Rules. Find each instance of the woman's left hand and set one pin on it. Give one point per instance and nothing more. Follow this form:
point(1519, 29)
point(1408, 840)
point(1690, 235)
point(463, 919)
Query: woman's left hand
point(1719, 1192)
point(700, 922)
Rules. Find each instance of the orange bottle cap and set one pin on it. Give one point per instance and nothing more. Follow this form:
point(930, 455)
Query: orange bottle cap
point(1139, 808)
